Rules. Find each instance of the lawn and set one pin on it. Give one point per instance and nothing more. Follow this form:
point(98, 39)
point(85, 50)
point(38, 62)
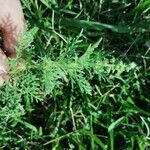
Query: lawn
point(81, 78)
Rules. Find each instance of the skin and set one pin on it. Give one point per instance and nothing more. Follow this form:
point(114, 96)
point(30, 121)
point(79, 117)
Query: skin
point(3, 67)
point(11, 25)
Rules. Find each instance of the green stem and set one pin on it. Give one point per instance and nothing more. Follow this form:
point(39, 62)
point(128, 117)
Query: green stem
point(111, 134)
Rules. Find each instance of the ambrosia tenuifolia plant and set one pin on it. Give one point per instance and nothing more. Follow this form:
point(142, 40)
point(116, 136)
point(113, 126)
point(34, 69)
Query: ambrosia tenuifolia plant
point(77, 82)
point(81, 86)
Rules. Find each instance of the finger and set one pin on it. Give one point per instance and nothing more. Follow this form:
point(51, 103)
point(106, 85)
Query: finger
point(3, 67)
point(11, 24)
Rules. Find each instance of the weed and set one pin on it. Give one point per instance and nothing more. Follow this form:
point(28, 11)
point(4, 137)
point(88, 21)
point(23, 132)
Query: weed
point(81, 77)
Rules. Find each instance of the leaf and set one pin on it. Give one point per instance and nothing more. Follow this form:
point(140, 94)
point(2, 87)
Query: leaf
point(142, 6)
point(29, 126)
point(94, 137)
point(92, 25)
point(116, 123)
point(45, 3)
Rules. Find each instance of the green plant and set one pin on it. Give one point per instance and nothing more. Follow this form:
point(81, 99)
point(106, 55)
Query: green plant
point(81, 78)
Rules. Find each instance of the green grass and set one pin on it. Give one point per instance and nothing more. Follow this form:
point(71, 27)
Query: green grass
point(81, 78)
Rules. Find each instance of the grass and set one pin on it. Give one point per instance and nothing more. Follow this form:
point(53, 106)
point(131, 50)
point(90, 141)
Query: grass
point(81, 77)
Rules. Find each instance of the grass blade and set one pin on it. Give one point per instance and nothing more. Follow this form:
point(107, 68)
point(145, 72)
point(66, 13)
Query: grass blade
point(92, 25)
point(116, 123)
